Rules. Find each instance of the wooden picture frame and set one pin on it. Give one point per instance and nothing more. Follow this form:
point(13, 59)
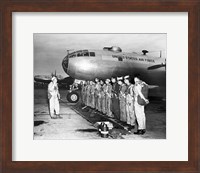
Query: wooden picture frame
point(9, 6)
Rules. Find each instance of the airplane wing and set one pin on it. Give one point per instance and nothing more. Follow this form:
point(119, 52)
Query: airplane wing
point(42, 80)
point(67, 80)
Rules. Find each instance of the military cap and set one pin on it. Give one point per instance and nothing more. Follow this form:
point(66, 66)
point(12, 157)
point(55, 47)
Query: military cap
point(108, 80)
point(119, 78)
point(127, 77)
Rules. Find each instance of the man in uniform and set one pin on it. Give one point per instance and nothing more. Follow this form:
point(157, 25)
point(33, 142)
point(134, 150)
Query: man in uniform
point(115, 98)
point(103, 97)
point(85, 93)
point(82, 87)
point(96, 94)
point(130, 113)
point(88, 93)
point(108, 98)
point(139, 109)
point(122, 99)
point(54, 96)
point(92, 97)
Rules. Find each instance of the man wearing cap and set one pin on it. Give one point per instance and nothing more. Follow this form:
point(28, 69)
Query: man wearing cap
point(88, 93)
point(96, 93)
point(103, 97)
point(99, 99)
point(122, 99)
point(115, 98)
point(108, 98)
point(92, 92)
point(82, 84)
point(54, 96)
point(139, 109)
point(130, 114)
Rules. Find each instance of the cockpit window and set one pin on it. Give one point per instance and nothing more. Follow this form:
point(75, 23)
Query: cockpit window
point(86, 54)
point(92, 54)
point(80, 54)
point(72, 55)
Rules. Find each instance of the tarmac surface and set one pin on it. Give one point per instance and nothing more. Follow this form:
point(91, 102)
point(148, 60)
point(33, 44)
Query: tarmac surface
point(80, 123)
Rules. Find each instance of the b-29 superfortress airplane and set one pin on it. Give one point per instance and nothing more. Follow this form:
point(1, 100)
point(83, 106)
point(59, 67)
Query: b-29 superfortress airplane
point(110, 62)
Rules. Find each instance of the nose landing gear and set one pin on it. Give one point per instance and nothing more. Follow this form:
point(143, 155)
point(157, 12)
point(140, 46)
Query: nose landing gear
point(73, 97)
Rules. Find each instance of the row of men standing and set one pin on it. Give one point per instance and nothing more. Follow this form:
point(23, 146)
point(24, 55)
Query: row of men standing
point(117, 100)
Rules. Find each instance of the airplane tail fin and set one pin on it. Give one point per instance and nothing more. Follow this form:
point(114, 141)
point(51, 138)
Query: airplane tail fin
point(54, 74)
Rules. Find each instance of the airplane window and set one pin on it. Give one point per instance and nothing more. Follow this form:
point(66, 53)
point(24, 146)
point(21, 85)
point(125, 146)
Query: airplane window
point(80, 54)
point(86, 54)
point(92, 54)
point(72, 55)
point(120, 59)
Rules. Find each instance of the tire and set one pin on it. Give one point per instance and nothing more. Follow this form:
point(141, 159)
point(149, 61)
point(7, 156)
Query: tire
point(73, 97)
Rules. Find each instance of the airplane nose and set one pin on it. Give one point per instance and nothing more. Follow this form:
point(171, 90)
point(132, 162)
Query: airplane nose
point(65, 63)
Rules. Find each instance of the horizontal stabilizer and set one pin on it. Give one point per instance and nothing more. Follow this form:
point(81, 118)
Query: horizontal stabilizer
point(156, 66)
point(152, 86)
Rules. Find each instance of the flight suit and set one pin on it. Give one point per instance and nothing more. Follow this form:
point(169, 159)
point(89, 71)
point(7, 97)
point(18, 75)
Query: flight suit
point(139, 109)
point(108, 100)
point(88, 95)
point(99, 102)
point(92, 98)
point(103, 99)
point(96, 94)
point(130, 113)
point(53, 95)
point(115, 100)
point(83, 93)
point(122, 98)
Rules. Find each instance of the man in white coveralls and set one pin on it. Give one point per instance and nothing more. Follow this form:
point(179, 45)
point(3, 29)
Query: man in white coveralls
point(139, 105)
point(54, 96)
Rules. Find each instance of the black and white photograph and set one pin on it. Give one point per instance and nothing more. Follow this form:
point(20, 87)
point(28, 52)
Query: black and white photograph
point(101, 86)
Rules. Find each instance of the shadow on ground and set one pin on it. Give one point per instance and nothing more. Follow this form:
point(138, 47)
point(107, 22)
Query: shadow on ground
point(37, 123)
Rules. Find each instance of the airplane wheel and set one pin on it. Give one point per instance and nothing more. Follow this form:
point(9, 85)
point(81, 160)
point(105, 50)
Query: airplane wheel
point(73, 97)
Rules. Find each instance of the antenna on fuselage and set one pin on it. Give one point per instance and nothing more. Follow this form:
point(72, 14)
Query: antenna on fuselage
point(150, 52)
point(145, 52)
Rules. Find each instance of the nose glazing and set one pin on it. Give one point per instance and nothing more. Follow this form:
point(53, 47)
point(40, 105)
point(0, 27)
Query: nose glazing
point(65, 63)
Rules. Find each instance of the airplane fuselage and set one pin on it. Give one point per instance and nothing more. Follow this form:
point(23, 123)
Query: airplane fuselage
point(103, 64)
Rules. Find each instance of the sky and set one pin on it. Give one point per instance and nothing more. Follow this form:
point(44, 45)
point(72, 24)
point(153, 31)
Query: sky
point(50, 49)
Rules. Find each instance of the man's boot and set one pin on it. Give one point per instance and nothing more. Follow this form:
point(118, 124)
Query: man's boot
point(58, 116)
